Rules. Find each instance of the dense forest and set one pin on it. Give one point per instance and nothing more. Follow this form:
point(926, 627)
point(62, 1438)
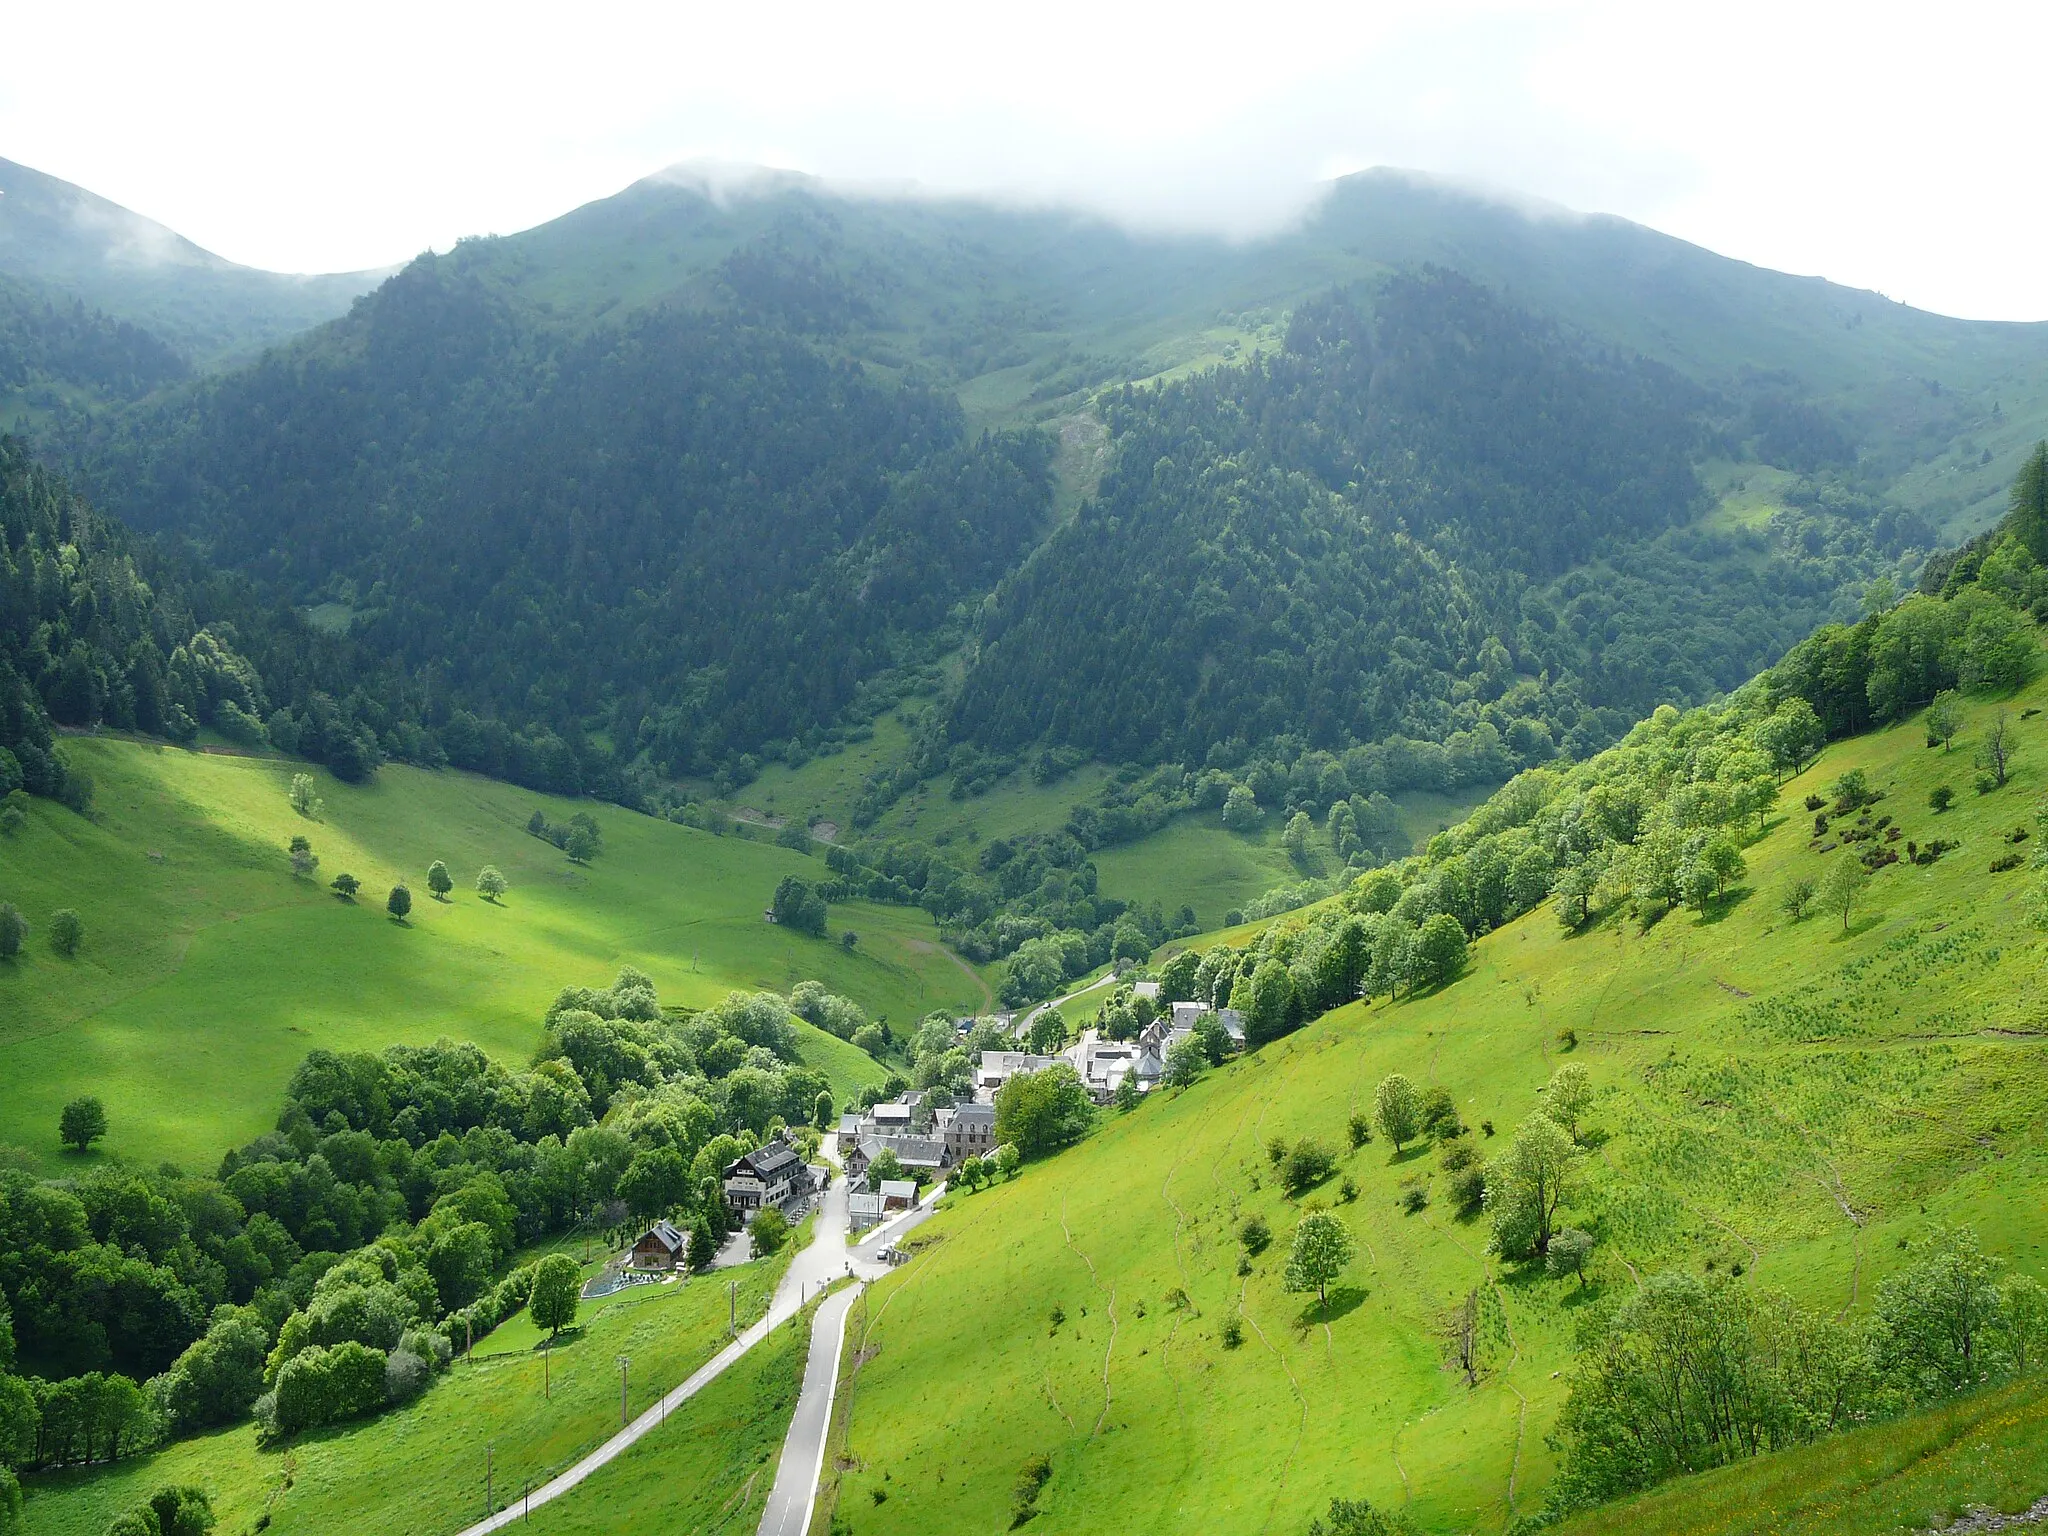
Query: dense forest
point(47, 343)
point(100, 628)
point(1414, 517)
point(446, 529)
point(688, 535)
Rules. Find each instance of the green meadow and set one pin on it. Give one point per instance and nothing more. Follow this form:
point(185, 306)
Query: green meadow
point(1919, 1473)
point(346, 1478)
point(208, 971)
point(1790, 1097)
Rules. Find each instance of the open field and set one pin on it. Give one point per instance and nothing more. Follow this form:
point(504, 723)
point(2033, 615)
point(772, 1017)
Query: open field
point(1787, 1096)
point(347, 1478)
point(710, 1470)
point(208, 971)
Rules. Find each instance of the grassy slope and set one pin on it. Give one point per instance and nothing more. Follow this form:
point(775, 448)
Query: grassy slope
point(208, 974)
point(419, 1471)
point(709, 1472)
point(1780, 1095)
point(1190, 859)
point(1915, 1474)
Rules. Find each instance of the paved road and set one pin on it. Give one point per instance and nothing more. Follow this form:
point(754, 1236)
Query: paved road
point(803, 1449)
point(827, 1257)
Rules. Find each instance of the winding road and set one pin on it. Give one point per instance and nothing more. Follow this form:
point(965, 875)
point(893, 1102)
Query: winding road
point(826, 1258)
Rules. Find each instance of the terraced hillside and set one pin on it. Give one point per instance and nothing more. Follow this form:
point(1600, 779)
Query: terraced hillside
point(1797, 1098)
point(208, 971)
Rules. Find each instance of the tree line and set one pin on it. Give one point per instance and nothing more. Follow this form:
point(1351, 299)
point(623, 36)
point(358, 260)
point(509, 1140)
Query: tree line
point(334, 1264)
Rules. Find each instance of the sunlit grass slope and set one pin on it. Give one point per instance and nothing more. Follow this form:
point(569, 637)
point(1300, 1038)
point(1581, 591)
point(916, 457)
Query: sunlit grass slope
point(419, 1470)
point(1989, 1451)
point(208, 971)
point(1782, 1095)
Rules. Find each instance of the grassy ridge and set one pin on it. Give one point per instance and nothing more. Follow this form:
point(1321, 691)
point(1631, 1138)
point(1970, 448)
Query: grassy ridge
point(1781, 1095)
point(419, 1470)
point(209, 972)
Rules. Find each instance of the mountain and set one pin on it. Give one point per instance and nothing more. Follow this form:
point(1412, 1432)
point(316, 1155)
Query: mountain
point(64, 243)
point(699, 472)
point(1025, 310)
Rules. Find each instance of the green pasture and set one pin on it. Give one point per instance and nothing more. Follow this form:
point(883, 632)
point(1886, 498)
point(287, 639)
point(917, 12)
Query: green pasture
point(1782, 1095)
point(1922, 1473)
point(208, 971)
point(419, 1470)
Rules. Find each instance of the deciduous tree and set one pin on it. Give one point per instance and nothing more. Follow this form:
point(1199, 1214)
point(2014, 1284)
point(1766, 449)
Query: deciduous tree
point(1841, 887)
point(82, 1122)
point(557, 1287)
point(1322, 1248)
point(1397, 1109)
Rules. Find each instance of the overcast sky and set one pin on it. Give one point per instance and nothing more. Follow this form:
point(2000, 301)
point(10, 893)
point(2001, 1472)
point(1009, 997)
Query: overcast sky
point(1892, 147)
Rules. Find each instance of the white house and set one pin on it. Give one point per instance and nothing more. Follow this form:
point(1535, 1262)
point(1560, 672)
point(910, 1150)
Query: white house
point(998, 1067)
point(770, 1175)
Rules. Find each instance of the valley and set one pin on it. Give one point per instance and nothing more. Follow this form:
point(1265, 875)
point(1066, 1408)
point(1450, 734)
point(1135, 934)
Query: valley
point(1397, 867)
point(203, 949)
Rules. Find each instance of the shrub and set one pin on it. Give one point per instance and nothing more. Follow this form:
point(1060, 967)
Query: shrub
point(405, 1376)
point(1941, 797)
point(1359, 1128)
point(1306, 1165)
point(67, 931)
point(1233, 1333)
point(1254, 1233)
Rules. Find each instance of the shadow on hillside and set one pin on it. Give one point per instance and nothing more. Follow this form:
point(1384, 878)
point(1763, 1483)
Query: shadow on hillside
point(1857, 929)
point(1721, 906)
point(1344, 1300)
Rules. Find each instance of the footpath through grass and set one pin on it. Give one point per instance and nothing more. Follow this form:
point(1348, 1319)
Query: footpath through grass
point(208, 971)
point(1784, 1096)
point(419, 1470)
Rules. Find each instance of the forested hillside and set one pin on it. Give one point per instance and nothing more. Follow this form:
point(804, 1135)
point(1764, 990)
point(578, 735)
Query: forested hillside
point(691, 533)
point(1678, 1111)
point(696, 478)
point(1410, 518)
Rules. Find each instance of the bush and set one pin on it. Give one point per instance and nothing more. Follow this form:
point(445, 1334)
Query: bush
point(769, 1231)
point(1941, 797)
point(405, 1376)
point(1306, 1165)
point(1359, 1128)
point(1233, 1333)
point(1254, 1234)
point(67, 931)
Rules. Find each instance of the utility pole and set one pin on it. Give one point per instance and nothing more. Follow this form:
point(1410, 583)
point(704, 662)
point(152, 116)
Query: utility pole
point(732, 1308)
point(489, 1508)
point(624, 1361)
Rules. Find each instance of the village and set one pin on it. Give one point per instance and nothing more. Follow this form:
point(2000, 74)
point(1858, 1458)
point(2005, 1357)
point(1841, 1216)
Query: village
point(893, 1150)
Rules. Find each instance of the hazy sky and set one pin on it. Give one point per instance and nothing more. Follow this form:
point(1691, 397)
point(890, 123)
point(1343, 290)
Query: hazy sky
point(1897, 147)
